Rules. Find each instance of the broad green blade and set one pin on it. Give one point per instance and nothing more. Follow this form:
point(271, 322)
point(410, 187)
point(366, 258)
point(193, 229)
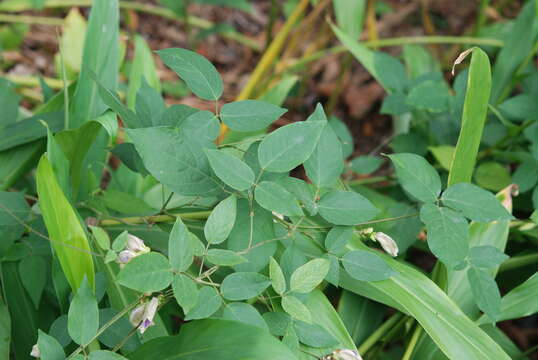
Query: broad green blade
point(475, 109)
point(453, 332)
point(143, 67)
point(67, 236)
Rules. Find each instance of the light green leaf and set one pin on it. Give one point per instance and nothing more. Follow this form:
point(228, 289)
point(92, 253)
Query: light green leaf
point(197, 72)
point(486, 256)
point(519, 302)
point(185, 292)
point(366, 266)
point(72, 40)
point(448, 233)
point(326, 163)
point(101, 237)
point(346, 208)
point(350, 16)
point(289, 146)
point(274, 197)
point(443, 154)
point(277, 277)
point(475, 203)
point(209, 302)
point(250, 115)
point(492, 176)
point(417, 176)
point(475, 109)
point(243, 285)
point(224, 257)
point(296, 308)
point(68, 238)
point(337, 238)
point(215, 339)
point(485, 292)
point(49, 348)
point(366, 164)
point(314, 335)
point(173, 157)
point(83, 316)
point(308, 276)
point(180, 250)
point(146, 273)
point(221, 221)
point(429, 95)
point(230, 169)
point(244, 313)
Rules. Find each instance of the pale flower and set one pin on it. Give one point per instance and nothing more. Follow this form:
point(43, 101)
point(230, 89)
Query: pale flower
point(35, 351)
point(387, 243)
point(344, 354)
point(125, 256)
point(136, 245)
point(142, 316)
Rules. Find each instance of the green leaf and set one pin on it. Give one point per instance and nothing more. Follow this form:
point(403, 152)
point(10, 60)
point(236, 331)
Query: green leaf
point(519, 302)
point(429, 95)
point(417, 176)
point(9, 102)
point(326, 163)
point(475, 109)
point(180, 250)
point(366, 266)
point(49, 348)
point(197, 72)
point(350, 16)
point(486, 256)
point(277, 277)
point(244, 313)
point(343, 134)
point(105, 355)
point(146, 273)
point(485, 292)
point(492, 176)
point(83, 316)
point(68, 238)
point(143, 66)
point(289, 146)
point(243, 285)
point(337, 238)
point(224, 257)
point(101, 237)
point(118, 331)
point(475, 203)
point(296, 308)
point(209, 302)
point(346, 208)
point(13, 206)
point(366, 164)
point(230, 169)
point(101, 56)
point(360, 315)
point(174, 159)
point(250, 115)
point(33, 273)
point(215, 339)
point(185, 292)
point(274, 197)
point(149, 105)
point(526, 175)
point(448, 233)
point(409, 290)
point(72, 40)
point(387, 70)
point(5, 330)
point(314, 335)
point(308, 276)
point(221, 221)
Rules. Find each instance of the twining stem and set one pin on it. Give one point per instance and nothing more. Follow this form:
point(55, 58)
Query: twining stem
point(106, 326)
point(141, 7)
point(412, 343)
point(379, 333)
point(198, 215)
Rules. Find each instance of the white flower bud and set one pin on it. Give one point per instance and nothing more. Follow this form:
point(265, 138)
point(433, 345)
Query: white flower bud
point(387, 243)
point(125, 256)
point(142, 316)
point(35, 351)
point(346, 354)
point(136, 245)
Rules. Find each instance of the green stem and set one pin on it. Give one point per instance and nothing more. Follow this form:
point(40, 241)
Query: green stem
point(31, 20)
point(519, 261)
point(198, 215)
point(376, 335)
point(369, 180)
point(412, 343)
point(105, 326)
point(141, 7)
